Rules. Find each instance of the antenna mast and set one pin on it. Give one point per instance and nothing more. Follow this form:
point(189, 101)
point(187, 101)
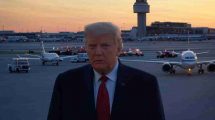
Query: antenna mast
point(2, 27)
point(188, 41)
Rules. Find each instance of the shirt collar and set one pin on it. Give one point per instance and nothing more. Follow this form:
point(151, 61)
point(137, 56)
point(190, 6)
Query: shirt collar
point(111, 75)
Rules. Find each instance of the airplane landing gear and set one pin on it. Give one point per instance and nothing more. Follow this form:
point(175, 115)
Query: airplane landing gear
point(201, 71)
point(43, 63)
point(172, 71)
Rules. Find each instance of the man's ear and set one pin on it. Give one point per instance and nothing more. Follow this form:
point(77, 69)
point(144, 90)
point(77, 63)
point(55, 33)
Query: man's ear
point(119, 48)
point(118, 51)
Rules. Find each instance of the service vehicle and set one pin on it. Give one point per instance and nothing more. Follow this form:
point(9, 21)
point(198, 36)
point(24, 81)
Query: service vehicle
point(80, 57)
point(18, 65)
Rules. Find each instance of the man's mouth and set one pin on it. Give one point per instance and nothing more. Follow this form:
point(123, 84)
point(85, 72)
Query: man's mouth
point(98, 61)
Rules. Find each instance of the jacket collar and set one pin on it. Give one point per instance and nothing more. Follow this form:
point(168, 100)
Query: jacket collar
point(88, 81)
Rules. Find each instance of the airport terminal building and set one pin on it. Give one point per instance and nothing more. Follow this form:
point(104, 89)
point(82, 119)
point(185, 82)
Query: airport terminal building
point(177, 28)
point(156, 31)
point(172, 31)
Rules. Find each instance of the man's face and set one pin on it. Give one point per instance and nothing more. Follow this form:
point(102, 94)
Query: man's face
point(103, 52)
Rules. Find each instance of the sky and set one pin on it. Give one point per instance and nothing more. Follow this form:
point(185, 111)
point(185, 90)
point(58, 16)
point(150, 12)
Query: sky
point(73, 15)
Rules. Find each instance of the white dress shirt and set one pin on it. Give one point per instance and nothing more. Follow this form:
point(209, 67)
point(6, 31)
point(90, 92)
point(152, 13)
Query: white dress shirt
point(110, 84)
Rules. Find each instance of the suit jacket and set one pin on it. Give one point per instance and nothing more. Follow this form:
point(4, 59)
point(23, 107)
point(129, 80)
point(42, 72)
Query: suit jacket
point(136, 96)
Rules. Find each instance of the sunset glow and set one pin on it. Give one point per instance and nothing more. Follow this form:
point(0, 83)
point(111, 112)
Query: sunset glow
point(72, 15)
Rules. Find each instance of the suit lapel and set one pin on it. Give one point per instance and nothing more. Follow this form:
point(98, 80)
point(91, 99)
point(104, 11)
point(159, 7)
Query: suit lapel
point(121, 83)
point(89, 81)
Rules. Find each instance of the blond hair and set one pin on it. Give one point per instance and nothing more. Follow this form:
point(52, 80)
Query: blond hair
point(100, 28)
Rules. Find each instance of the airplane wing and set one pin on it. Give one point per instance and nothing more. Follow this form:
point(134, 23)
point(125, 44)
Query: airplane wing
point(38, 56)
point(66, 57)
point(30, 58)
point(205, 62)
point(154, 61)
point(176, 53)
point(201, 53)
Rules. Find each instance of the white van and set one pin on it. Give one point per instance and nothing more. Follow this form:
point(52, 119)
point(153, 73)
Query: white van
point(80, 57)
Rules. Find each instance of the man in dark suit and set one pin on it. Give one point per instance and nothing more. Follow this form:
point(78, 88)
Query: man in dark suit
point(105, 89)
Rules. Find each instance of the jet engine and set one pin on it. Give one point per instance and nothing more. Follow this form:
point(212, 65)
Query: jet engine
point(166, 67)
point(211, 67)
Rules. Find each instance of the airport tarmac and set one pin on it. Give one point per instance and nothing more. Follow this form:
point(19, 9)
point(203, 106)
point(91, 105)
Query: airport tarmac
point(26, 96)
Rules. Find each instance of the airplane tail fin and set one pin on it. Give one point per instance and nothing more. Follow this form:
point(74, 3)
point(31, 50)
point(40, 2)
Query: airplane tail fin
point(188, 41)
point(43, 49)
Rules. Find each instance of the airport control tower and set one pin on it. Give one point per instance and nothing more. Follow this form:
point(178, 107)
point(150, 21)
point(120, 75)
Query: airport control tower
point(141, 7)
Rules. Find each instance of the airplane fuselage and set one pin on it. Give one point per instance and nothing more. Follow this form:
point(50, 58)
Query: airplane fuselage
point(188, 60)
point(50, 57)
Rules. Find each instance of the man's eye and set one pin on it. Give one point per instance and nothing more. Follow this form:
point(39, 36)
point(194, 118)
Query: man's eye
point(105, 45)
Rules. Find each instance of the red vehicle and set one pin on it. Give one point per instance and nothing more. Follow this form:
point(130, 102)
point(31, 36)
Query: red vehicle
point(166, 53)
point(132, 52)
point(138, 52)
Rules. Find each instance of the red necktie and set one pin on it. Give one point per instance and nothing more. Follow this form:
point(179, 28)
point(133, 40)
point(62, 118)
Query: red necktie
point(103, 104)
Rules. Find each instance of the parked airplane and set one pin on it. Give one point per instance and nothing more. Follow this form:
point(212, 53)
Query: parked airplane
point(48, 57)
point(188, 62)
